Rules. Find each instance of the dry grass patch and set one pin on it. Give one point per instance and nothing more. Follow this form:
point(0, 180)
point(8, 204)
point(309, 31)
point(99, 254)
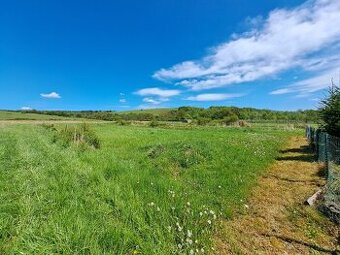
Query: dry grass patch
point(274, 219)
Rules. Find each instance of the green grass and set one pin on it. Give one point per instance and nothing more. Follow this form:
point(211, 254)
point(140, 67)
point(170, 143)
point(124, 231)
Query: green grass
point(144, 191)
point(8, 115)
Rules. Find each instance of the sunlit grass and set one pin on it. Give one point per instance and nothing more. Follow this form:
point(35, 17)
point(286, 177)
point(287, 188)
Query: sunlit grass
point(144, 191)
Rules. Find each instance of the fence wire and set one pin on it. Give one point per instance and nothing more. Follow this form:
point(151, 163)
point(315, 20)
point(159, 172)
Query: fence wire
point(327, 149)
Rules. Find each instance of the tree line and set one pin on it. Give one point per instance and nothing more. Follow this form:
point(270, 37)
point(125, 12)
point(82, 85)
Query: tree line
point(200, 115)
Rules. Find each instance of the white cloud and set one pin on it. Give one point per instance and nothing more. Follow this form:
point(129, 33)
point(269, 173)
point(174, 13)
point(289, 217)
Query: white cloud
point(213, 97)
point(51, 95)
point(280, 91)
point(123, 100)
point(121, 94)
point(158, 92)
point(150, 100)
point(306, 87)
point(286, 39)
point(26, 108)
point(147, 106)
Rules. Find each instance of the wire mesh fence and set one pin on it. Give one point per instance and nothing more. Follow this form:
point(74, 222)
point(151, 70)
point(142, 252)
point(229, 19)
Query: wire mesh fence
point(327, 149)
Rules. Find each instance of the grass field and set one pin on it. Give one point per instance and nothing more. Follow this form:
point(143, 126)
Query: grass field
point(144, 191)
point(8, 115)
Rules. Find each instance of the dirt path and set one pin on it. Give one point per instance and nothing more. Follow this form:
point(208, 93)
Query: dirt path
point(275, 220)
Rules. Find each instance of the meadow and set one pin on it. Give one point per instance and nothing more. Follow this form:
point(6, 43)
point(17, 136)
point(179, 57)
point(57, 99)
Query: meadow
point(144, 190)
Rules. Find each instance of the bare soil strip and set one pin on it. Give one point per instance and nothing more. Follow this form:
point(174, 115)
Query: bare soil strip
point(275, 219)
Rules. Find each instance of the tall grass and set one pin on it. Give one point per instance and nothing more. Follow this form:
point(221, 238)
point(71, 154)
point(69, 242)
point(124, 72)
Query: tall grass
point(144, 191)
point(79, 135)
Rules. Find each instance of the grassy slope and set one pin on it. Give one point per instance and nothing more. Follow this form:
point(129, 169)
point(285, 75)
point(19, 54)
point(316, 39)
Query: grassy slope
point(5, 115)
point(142, 191)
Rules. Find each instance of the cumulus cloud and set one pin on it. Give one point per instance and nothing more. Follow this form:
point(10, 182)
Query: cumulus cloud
point(213, 97)
point(26, 108)
point(158, 92)
point(287, 38)
point(50, 95)
point(123, 100)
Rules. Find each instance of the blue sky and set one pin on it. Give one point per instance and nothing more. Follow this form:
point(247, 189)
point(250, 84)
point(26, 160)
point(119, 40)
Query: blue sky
point(124, 54)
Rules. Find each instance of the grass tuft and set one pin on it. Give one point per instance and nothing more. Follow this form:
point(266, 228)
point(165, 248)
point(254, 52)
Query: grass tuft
point(79, 135)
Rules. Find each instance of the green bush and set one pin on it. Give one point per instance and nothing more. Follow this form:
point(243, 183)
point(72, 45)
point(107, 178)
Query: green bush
point(203, 121)
point(154, 123)
point(229, 119)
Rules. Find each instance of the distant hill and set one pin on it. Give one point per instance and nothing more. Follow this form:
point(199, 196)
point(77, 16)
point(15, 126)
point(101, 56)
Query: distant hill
point(23, 115)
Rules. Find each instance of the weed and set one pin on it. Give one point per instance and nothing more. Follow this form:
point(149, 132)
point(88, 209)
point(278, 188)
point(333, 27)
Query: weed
point(80, 135)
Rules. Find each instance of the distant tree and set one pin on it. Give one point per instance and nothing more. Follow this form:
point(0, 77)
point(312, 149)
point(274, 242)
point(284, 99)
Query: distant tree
point(330, 111)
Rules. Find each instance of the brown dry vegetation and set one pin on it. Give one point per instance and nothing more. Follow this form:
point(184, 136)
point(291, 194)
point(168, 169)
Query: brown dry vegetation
point(275, 219)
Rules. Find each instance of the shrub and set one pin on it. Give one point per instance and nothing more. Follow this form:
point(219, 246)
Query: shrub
point(123, 122)
point(227, 120)
point(203, 121)
point(154, 123)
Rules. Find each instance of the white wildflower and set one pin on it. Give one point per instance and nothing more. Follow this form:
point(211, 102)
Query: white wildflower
point(189, 234)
